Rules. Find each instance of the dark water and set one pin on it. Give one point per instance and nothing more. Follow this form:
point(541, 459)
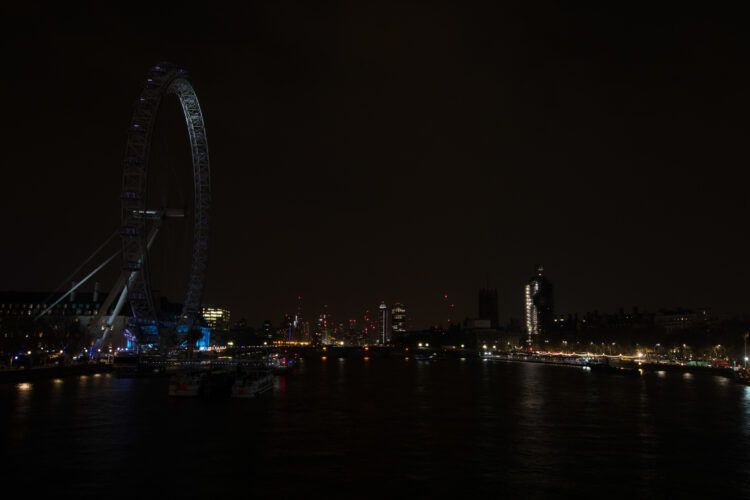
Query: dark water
point(385, 428)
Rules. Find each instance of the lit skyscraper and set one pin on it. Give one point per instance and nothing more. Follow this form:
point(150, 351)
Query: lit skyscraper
point(384, 324)
point(539, 304)
point(398, 319)
point(323, 328)
point(300, 331)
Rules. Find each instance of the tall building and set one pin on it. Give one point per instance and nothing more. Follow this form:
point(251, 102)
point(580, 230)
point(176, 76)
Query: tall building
point(539, 304)
point(267, 330)
point(488, 306)
point(384, 324)
point(300, 329)
point(398, 319)
point(323, 327)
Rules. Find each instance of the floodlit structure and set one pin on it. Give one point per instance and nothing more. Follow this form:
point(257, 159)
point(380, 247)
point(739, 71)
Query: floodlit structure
point(538, 299)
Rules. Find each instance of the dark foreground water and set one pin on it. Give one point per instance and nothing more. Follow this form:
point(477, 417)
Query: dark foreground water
point(384, 428)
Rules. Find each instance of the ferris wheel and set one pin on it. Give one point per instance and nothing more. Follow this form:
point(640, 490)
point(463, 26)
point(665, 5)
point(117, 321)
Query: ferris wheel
point(142, 217)
point(137, 234)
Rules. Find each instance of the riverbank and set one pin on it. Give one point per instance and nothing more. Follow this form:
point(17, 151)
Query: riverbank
point(49, 372)
point(612, 364)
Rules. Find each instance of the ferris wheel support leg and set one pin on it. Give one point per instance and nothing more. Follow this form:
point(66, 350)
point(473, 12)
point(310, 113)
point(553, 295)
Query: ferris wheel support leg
point(79, 284)
point(125, 286)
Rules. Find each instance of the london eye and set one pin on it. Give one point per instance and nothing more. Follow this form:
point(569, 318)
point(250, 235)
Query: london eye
point(143, 215)
point(141, 222)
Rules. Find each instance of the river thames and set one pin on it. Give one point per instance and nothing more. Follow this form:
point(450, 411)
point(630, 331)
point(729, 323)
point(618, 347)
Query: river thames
point(383, 428)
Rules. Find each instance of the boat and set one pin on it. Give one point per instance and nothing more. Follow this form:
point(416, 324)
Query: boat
point(252, 382)
point(188, 384)
point(424, 356)
point(281, 366)
point(282, 369)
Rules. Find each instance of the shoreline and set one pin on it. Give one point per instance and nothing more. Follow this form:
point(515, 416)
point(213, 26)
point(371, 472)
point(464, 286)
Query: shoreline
point(52, 372)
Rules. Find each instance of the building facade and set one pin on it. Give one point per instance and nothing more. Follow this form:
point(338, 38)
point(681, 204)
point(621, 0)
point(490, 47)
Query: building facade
point(216, 318)
point(398, 319)
point(67, 324)
point(539, 304)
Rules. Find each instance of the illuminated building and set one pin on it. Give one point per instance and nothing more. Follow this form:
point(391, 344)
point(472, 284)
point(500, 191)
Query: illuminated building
point(217, 318)
point(63, 325)
point(673, 320)
point(300, 329)
point(384, 324)
point(539, 304)
point(398, 319)
point(323, 327)
point(487, 299)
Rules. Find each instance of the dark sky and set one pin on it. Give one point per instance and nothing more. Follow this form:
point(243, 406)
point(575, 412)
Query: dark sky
point(367, 151)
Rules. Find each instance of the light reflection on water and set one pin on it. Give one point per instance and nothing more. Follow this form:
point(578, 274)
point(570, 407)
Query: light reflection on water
point(24, 387)
point(520, 429)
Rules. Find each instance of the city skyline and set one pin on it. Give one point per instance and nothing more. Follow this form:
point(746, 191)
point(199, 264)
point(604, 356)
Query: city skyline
point(423, 249)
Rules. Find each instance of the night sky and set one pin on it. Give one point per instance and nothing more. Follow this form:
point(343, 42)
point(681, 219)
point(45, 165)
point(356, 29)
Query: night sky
point(368, 151)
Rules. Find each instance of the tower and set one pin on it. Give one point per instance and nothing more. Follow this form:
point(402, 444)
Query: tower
point(384, 324)
point(487, 299)
point(323, 327)
point(539, 304)
point(300, 328)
